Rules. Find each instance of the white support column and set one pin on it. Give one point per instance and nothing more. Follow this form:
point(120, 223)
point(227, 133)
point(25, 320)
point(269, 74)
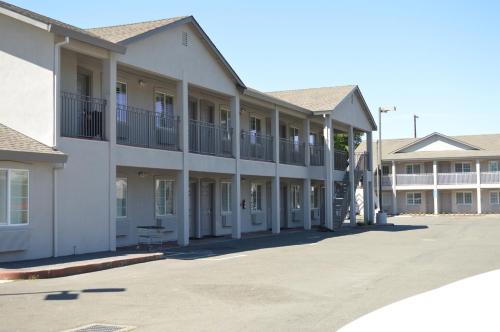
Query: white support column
point(306, 185)
point(478, 178)
point(329, 162)
point(370, 188)
point(306, 194)
point(183, 175)
point(198, 209)
point(236, 180)
point(366, 197)
point(435, 190)
point(275, 182)
point(307, 131)
point(352, 168)
point(109, 93)
point(394, 191)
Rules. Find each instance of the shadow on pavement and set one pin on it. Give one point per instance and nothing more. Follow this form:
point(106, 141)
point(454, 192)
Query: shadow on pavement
point(65, 295)
point(213, 247)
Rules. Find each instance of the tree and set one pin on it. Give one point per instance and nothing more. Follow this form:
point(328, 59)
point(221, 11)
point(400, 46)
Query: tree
point(341, 141)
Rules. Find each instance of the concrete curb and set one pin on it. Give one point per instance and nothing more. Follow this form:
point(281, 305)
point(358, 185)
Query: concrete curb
point(85, 267)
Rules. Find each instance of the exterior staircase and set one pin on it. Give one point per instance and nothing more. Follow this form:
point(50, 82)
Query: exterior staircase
point(341, 204)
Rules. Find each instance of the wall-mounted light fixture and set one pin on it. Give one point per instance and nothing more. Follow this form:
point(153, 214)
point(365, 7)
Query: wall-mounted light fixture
point(142, 83)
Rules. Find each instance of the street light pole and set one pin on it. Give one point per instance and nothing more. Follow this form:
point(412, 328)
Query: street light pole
point(415, 117)
point(381, 216)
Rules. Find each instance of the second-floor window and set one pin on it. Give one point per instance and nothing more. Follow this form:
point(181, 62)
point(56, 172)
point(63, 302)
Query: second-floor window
point(313, 138)
point(164, 109)
point(413, 169)
point(462, 167)
point(225, 118)
point(121, 101)
point(255, 128)
point(493, 166)
point(225, 122)
point(294, 135)
point(386, 170)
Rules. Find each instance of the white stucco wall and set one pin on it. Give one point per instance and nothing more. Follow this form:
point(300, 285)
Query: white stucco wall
point(164, 53)
point(84, 197)
point(350, 112)
point(26, 80)
point(437, 143)
point(40, 213)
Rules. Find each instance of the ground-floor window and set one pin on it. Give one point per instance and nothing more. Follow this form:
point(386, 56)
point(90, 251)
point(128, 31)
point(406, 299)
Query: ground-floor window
point(164, 197)
point(413, 198)
point(463, 198)
point(14, 201)
point(256, 197)
point(296, 197)
point(494, 197)
point(121, 197)
point(314, 197)
point(226, 197)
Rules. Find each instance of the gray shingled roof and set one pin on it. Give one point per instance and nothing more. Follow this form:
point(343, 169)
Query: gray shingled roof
point(489, 146)
point(64, 28)
point(120, 33)
point(315, 99)
point(17, 146)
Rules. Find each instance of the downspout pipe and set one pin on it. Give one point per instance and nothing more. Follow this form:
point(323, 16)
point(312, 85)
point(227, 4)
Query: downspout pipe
point(56, 87)
point(55, 103)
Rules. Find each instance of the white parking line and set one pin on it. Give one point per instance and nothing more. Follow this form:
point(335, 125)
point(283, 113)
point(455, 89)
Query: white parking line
point(222, 258)
point(5, 281)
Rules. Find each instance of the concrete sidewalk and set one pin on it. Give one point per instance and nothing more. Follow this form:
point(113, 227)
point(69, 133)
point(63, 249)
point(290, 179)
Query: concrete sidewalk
point(71, 265)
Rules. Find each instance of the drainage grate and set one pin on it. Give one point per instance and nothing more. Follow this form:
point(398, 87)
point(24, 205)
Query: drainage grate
point(102, 328)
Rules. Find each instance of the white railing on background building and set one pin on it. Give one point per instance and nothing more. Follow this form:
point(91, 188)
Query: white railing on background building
point(414, 179)
point(490, 177)
point(457, 178)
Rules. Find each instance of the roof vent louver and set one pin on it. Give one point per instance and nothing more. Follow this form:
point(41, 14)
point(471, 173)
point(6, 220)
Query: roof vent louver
point(185, 38)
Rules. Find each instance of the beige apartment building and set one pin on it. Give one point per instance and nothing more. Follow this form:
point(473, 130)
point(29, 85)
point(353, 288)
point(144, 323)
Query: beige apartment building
point(440, 174)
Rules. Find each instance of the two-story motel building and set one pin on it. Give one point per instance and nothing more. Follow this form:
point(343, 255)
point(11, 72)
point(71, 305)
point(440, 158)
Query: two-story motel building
point(107, 129)
point(440, 174)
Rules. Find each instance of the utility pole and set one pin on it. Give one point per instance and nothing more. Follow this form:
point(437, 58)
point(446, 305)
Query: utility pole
point(415, 117)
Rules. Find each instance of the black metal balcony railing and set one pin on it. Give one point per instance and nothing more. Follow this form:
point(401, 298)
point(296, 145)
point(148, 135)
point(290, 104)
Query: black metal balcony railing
point(209, 138)
point(143, 128)
point(82, 116)
point(256, 146)
point(341, 160)
point(316, 155)
point(292, 152)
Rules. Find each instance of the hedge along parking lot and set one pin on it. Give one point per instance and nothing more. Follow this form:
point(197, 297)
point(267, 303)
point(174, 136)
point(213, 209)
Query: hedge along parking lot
point(294, 281)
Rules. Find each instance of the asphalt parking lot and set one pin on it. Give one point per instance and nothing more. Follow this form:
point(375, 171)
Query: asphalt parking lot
point(296, 281)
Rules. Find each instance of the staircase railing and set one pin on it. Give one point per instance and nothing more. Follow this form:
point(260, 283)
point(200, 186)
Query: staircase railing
point(341, 204)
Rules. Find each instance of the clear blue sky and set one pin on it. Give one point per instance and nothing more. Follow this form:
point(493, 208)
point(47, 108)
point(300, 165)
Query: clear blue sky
point(438, 59)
